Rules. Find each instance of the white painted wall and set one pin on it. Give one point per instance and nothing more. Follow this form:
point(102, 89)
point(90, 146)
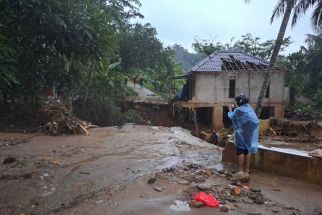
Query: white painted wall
point(214, 87)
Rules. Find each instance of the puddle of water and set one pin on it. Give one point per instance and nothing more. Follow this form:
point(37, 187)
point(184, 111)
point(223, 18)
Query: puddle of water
point(180, 206)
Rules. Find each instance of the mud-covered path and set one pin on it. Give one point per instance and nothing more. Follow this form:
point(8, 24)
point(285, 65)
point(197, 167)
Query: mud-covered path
point(107, 173)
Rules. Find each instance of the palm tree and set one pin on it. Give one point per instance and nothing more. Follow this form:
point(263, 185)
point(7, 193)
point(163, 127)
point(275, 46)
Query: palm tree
point(285, 7)
point(300, 8)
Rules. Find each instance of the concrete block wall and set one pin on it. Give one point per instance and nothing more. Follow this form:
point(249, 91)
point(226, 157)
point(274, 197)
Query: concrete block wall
point(288, 163)
point(214, 87)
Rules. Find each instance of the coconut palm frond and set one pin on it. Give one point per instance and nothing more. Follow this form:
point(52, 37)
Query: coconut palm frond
point(279, 9)
point(300, 9)
point(317, 17)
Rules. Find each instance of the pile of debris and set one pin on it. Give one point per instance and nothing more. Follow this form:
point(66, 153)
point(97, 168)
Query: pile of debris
point(219, 188)
point(293, 114)
point(57, 119)
point(218, 138)
point(303, 131)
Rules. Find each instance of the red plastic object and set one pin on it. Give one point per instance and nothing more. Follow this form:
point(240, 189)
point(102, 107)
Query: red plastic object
point(207, 199)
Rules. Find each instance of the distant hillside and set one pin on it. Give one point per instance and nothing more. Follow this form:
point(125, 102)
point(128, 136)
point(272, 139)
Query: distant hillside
point(185, 58)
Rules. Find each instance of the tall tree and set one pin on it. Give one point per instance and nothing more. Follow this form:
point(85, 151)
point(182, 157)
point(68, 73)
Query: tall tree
point(300, 8)
point(287, 6)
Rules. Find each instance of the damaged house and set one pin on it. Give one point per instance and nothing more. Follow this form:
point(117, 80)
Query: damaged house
point(212, 84)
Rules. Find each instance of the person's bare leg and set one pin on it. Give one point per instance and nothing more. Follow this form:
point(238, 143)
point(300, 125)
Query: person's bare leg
point(240, 159)
point(247, 162)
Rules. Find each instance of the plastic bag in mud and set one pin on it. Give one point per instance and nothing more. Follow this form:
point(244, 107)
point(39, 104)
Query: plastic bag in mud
point(207, 199)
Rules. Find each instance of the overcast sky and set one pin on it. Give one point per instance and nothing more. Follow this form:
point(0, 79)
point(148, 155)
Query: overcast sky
point(181, 21)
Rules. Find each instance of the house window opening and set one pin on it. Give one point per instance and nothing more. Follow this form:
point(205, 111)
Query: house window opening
point(204, 116)
point(267, 112)
point(232, 88)
point(227, 122)
point(267, 91)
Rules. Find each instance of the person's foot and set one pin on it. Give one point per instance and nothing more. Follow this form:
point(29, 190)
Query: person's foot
point(241, 176)
point(247, 170)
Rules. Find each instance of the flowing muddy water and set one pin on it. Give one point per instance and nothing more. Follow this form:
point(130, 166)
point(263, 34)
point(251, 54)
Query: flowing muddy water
point(107, 173)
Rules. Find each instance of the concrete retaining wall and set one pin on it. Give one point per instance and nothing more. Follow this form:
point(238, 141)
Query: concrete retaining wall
point(285, 162)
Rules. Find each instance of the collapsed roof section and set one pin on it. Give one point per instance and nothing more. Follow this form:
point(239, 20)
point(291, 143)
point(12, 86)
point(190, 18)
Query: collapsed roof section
point(230, 61)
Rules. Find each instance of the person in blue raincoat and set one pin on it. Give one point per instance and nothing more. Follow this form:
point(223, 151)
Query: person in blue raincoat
point(246, 125)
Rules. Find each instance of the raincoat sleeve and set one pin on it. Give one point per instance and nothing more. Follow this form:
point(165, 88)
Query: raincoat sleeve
point(233, 115)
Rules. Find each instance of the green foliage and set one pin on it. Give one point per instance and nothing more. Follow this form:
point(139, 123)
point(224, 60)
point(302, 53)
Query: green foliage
point(247, 43)
point(83, 50)
point(207, 47)
point(254, 46)
point(185, 58)
point(298, 78)
point(303, 107)
point(317, 98)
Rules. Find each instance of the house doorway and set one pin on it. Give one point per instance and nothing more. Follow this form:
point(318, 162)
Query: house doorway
point(204, 116)
point(267, 112)
point(227, 122)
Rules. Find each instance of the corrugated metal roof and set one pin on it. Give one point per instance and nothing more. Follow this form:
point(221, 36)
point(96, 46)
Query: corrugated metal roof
point(229, 61)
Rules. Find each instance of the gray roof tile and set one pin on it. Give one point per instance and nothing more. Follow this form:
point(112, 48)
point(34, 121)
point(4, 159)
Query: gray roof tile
point(229, 60)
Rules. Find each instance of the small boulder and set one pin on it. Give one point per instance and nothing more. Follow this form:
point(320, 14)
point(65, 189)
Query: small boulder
point(236, 191)
point(224, 208)
point(159, 189)
point(196, 204)
point(152, 180)
point(241, 176)
point(219, 168)
point(9, 160)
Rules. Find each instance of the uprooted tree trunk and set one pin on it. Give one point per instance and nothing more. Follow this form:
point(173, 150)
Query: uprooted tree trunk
point(277, 47)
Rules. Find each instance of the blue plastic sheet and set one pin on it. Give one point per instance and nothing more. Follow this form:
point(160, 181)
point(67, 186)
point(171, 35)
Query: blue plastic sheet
point(246, 125)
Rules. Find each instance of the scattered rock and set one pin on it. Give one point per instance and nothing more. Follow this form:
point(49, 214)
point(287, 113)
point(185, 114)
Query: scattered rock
point(184, 182)
point(257, 198)
point(219, 168)
point(236, 191)
point(151, 180)
point(205, 186)
point(99, 201)
point(159, 189)
point(276, 189)
point(194, 166)
point(259, 201)
point(196, 204)
point(85, 173)
point(275, 210)
point(34, 203)
point(168, 169)
point(9, 160)
point(199, 179)
point(241, 176)
point(316, 153)
point(224, 208)
point(45, 174)
point(256, 190)
point(57, 163)
point(27, 176)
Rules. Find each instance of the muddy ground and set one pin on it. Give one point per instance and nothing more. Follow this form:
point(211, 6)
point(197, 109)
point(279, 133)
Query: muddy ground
point(108, 172)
